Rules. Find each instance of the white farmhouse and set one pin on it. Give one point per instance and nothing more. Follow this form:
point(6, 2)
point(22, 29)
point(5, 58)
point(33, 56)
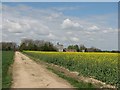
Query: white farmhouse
point(59, 47)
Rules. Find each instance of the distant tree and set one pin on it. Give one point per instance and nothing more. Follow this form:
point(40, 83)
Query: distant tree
point(93, 49)
point(76, 47)
point(22, 46)
point(82, 47)
point(70, 47)
point(30, 46)
point(36, 48)
point(115, 51)
point(46, 47)
point(8, 46)
point(36, 45)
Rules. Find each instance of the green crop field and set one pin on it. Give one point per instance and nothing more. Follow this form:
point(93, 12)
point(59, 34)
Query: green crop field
point(101, 66)
point(7, 60)
point(0, 69)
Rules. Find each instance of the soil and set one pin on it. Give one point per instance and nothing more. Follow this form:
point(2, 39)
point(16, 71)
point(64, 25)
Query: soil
point(28, 74)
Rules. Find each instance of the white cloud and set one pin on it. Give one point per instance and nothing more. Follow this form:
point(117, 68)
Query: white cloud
point(51, 36)
point(105, 31)
point(25, 25)
point(94, 28)
point(14, 26)
point(88, 33)
point(64, 38)
point(69, 33)
point(74, 39)
point(67, 23)
point(110, 30)
point(40, 29)
point(92, 39)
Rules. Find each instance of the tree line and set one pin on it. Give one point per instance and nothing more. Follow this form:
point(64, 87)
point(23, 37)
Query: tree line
point(83, 48)
point(41, 45)
point(28, 44)
point(36, 45)
point(7, 46)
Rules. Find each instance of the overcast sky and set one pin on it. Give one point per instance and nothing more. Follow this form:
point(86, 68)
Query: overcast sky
point(91, 24)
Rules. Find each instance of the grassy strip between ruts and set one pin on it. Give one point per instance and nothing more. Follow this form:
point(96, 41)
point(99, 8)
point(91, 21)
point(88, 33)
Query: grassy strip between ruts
point(7, 61)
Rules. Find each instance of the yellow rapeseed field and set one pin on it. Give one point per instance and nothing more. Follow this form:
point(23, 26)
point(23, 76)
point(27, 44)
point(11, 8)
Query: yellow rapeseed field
point(101, 66)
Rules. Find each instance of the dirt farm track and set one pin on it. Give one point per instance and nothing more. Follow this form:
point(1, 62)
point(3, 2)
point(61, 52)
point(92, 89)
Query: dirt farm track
point(29, 74)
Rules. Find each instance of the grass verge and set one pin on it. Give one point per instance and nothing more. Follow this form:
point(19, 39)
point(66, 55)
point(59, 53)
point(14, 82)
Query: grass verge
point(77, 84)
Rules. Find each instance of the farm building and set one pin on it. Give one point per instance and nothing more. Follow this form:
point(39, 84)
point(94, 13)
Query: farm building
point(70, 50)
point(59, 47)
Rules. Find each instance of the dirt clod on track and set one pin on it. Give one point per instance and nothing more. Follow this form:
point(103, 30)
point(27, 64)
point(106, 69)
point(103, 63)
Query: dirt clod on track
point(28, 74)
